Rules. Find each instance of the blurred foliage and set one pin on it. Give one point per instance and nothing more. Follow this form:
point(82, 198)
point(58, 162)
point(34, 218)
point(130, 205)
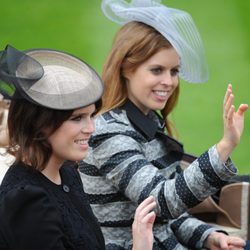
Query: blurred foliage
point(80, 28)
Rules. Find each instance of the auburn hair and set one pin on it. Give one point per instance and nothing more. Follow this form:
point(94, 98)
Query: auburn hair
point(133, 44)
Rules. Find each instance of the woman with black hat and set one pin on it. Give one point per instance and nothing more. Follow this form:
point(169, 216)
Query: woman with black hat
point(54, 97)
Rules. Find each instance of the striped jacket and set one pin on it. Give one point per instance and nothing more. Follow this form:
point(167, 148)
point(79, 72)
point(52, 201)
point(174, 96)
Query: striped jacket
point(131, 158)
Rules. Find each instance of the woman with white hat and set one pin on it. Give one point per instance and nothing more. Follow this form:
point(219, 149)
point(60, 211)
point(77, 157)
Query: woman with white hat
point(133, 153)
point(54, 97)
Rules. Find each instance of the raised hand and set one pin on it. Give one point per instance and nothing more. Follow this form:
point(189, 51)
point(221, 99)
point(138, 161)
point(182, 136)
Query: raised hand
point(233, 125)
point(143, 225)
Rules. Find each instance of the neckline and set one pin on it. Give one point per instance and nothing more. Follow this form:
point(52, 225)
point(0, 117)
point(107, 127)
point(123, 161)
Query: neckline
point(45, 178)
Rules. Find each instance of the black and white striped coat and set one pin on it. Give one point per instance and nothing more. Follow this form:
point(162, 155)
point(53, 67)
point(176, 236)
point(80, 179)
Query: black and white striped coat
point(131, 158)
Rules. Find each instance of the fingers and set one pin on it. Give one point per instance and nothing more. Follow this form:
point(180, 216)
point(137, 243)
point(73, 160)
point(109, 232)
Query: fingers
point(229, 109)
point(236, 241)
point(230, 114)
point(228, 101)
point(149, 218)
point(221, 241)
point(228, 92)
point(147, 205)
point(144, 210)
point(228, 105)
point(231, 243)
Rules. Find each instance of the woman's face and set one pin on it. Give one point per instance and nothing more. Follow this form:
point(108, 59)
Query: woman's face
point(70, 140)
point(153, 82)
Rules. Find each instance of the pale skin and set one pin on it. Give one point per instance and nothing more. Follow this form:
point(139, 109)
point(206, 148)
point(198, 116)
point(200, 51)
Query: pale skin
point(149, 88)
point(233, 125)
point(143, 224)
point(70, 141)
point(221, 241)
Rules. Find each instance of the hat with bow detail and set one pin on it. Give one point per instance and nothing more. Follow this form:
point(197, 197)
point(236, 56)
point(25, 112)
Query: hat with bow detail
point(50, 78)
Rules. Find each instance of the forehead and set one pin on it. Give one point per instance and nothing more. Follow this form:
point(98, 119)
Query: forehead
point(88, 109)
point(165, 57)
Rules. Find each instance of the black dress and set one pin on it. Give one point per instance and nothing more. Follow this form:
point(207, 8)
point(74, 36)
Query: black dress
point(37, 214)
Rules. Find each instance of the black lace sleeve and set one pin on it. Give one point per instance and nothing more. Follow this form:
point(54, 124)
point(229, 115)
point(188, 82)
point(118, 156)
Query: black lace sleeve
point(29, 221)
point(3, 241)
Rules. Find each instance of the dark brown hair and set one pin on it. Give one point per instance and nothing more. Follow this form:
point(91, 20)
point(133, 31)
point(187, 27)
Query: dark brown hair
point(29, 127)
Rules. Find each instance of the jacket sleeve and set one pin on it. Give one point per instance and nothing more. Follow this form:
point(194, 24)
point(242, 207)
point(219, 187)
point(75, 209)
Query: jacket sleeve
point(29, 221)
point(121, 159)
point(190, 231)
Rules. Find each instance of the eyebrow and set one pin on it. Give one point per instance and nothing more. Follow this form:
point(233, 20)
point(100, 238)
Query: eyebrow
point(177, 66)
point(159, 65)
point(83, 113)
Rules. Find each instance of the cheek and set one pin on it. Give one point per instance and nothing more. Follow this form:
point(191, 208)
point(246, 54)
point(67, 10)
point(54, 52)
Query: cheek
point(136, 91)
point(60, 134)
point(130, 87)
point(176, 82)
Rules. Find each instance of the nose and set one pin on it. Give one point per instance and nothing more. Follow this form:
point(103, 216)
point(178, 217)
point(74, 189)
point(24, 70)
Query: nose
point(167, 79)
point(88, 126)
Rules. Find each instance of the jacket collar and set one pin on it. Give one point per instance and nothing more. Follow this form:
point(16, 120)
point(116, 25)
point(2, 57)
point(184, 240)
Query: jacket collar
point(141, 121)
point(150, 125)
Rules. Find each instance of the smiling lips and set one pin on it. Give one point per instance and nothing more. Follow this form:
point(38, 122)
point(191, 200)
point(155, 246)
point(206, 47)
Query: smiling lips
point(161, 94)
point(82, 142)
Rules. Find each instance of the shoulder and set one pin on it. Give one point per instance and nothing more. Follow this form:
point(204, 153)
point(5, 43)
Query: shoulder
point(113, 119)
point(23, 197)
point(27, 210)
point(21, 190)
point(17, 176)
point(114, 125)
point(25, 203)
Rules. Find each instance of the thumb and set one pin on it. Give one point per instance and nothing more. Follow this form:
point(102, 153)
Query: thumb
point(242, 108)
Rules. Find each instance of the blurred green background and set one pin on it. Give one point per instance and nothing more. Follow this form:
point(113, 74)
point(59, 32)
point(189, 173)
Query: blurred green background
point(80, 28)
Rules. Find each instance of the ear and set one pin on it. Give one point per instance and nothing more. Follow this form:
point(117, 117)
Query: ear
point(127, 75)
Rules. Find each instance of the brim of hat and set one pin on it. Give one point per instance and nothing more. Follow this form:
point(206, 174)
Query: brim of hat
point(80, 88)
point(175, 25)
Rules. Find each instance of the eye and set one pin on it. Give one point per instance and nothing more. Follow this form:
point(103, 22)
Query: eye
point(175, 72)
point(93, 115)
point(76, 118)
point(156, 71)
point(81, 117)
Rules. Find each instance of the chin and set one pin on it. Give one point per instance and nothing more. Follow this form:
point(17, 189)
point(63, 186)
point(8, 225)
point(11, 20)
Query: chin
point(158, 107)
point(83, 156)
point(79, 157)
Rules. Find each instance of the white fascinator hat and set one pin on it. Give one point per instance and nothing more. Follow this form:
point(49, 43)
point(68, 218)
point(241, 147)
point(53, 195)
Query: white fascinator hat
point(175, 25)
